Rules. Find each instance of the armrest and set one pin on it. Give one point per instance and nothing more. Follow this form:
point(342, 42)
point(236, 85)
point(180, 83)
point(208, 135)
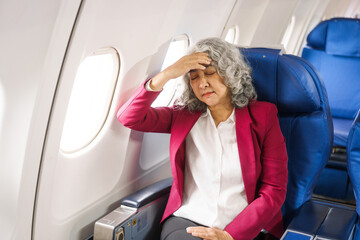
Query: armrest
point(353, 156)
point(338, 224)
point(306, 222)
point(138, 217)
point(322, 220)
point(148, 194)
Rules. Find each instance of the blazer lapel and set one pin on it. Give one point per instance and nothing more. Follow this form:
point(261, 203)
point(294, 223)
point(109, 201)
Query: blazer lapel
point(182, 127)
point(246, 151)
point(180, 130)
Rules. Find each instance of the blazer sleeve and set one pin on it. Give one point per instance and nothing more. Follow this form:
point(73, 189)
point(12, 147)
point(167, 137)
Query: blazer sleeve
point(271, 185)
point(138, 114)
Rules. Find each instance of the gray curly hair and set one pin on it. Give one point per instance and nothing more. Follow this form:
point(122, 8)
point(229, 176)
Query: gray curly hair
point(230, 65)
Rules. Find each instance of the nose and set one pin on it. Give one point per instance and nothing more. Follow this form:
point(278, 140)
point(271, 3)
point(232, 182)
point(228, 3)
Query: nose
point(203, 81)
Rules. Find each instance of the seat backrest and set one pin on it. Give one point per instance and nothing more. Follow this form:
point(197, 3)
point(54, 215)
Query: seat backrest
point(353, 156)
point(333, 47)
point(304, 115)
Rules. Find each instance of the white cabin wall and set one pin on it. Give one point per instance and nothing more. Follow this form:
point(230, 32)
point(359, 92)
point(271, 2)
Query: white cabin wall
point(246, 16)
point(353, 10)
point(307, 14)
point(274, 22)
point(28, 29)
point(261, 22)
point(337, 8)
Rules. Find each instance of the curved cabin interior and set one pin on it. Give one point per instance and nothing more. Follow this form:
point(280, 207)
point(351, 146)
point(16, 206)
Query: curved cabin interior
point(67, 66)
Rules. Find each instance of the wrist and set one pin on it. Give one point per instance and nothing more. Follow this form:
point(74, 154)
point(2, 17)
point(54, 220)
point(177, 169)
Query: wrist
point(228, 236)
point(157, 83)
point(166, 74)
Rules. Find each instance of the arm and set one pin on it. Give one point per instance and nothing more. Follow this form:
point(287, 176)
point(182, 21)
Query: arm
point(137, 112)
point(271, 184)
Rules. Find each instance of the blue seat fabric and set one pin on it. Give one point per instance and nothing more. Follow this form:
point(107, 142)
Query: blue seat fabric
point(304, 115)
point(322, 220)
point(333, 47)
point(341, 131)
point(353, 156)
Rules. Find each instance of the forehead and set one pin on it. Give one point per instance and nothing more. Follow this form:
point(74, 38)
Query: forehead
point(210, 66)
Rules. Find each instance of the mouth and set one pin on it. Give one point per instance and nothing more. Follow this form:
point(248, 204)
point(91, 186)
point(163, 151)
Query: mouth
point(208, 94)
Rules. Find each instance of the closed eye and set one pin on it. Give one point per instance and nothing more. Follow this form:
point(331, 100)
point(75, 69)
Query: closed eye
point(210, 72)
point(193, 76)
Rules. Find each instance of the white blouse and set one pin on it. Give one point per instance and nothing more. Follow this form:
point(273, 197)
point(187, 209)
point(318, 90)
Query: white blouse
point(214, 192)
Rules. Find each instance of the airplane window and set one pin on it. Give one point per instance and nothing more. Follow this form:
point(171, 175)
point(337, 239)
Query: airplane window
point(90, 99)
point(231, 35)
point(178, 48)
point(286, 38)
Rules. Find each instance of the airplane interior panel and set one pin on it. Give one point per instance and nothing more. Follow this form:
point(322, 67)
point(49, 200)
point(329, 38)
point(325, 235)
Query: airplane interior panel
point(72, 168)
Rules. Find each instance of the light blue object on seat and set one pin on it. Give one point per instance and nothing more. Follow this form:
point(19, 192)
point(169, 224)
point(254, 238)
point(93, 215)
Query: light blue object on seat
point(353, 156)
point(294, 86)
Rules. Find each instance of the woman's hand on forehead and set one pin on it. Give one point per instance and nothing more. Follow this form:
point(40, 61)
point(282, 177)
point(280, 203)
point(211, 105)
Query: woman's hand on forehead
point(187, 63)
point(181, 67)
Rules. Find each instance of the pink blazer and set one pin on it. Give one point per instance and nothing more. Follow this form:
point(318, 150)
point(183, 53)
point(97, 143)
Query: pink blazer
point(262, 154)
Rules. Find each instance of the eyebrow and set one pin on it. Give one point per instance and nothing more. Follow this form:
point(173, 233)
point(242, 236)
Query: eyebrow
point(207, 66)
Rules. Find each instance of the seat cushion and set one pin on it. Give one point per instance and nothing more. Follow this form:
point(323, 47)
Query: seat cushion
point(341, 131)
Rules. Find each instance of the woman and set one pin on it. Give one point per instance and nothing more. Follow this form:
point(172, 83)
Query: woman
point(227, 153)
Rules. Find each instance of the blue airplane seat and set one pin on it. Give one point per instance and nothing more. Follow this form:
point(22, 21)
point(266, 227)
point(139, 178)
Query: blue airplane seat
point(294, 86)
point(353, 156)
point(333, 47)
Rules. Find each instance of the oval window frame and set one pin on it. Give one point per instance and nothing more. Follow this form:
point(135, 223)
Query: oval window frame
point(112, 86)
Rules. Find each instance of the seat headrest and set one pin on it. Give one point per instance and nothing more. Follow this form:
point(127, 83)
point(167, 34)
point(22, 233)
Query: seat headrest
point(337, 36)
point(282, 80)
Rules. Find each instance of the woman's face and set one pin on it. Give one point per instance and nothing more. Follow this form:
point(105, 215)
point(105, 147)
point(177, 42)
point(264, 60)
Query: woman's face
point(209, 87)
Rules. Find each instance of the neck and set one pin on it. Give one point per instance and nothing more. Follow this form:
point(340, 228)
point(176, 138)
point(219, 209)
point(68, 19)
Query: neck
point(221, 113)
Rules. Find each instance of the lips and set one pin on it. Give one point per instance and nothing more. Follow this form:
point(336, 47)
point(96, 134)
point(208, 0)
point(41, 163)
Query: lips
point(208, 94)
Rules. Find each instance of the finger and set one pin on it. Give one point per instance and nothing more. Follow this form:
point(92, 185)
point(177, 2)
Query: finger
point(195, 66)
point(200, 56)
point(196, 230)
point(200, 66)
point(201, 232)
point(206, 61)
point(191, 229)
point(203, 62)
point(202, 235)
